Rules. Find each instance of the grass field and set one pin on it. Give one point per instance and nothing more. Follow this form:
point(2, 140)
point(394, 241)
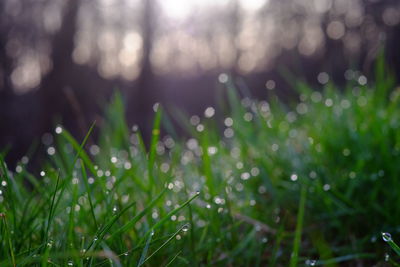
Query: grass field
point(315, 182)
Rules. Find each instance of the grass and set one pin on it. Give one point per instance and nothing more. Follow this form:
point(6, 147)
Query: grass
point(312, 182)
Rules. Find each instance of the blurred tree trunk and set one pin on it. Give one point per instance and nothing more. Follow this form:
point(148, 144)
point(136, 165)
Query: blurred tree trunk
point(143, 97)
point(6, 89)
point(50, 93)
point(234, 23)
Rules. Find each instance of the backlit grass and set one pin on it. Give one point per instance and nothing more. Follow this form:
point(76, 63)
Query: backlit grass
point(314, 182)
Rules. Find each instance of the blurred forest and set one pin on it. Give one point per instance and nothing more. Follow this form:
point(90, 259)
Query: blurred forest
point(66, 58)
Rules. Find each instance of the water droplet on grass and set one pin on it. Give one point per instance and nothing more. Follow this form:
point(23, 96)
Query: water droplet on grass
point(387, 257)
point(311, 262)
point(70, 263)
point(386, 237)
point(58, 130)
point(185, 228)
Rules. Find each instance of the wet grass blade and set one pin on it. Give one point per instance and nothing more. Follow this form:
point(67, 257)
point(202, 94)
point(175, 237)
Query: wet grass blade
point(345, 258)
point(155, 136)
point(7, 230)
point(167, 217)
point(135, 219)
point(52, 208)
point(388, 239)
point(10, 195)
point(85, 181)
point(104, 230)
point(146, 248)
point(79, 149)
point(299, 228)
point(166, 242)
point(172, 212)
point(173, 258)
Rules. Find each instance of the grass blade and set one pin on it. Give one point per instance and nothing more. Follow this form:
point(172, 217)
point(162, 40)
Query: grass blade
point(135, 219)
point(7, 230)
point(166, 242)
point(146, 248)
point(155, 136)
point(85, 181)
point(388, 239)
point(173, 258)
point(52, 208)
point(299, 227)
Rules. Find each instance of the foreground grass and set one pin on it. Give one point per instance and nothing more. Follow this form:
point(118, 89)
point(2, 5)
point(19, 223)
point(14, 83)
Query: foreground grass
point(315, 183)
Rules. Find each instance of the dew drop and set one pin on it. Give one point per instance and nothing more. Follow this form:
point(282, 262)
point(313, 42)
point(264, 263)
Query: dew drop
point(185, 228)
point(386, 237)
point(311, 262)
point(70, 263)
point(58, 130)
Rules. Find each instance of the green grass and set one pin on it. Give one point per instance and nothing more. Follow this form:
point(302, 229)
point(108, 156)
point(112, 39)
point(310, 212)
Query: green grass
point(313, 182)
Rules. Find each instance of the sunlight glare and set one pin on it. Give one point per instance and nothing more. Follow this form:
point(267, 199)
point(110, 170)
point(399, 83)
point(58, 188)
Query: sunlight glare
point(181, 9)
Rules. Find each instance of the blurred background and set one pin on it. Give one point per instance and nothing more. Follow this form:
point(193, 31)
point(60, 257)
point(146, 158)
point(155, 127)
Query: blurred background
point(61, 61)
